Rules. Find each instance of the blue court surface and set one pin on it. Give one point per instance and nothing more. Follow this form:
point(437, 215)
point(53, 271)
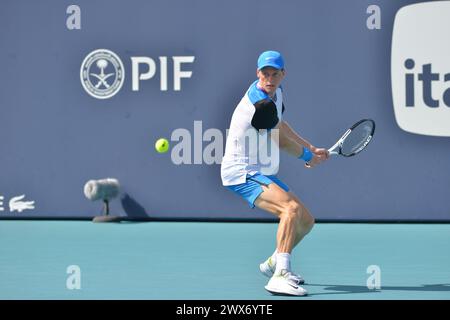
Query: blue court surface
point(209, 261)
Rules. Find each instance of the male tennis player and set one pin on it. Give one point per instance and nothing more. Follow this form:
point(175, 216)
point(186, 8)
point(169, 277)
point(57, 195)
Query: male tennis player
point(242, 171)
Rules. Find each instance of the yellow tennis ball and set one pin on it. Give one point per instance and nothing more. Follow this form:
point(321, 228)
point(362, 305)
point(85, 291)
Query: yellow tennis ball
point(162, 145)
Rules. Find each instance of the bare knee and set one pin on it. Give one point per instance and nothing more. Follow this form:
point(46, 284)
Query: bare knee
point(292, 210)
point(301, 214)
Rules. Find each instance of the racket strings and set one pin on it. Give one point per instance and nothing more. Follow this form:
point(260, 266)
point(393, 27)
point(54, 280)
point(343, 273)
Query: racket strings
point(358, 138)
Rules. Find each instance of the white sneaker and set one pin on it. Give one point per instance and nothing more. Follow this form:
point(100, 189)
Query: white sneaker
point(280, 284)
point(267, 268)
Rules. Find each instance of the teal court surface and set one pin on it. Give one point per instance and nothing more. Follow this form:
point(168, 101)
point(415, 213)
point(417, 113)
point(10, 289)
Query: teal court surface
point(208, 261)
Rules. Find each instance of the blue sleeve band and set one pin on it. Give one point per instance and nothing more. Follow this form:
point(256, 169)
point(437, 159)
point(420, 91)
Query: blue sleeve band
point(306, 155)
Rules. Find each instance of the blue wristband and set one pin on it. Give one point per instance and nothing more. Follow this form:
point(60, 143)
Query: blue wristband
point(306, 155)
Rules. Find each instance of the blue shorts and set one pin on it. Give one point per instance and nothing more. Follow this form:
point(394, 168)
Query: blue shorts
point(252, 188)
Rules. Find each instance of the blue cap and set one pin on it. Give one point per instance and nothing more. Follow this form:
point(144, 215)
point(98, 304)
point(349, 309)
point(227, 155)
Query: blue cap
point(271, 59)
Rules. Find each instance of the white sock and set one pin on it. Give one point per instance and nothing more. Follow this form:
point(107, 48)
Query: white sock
point(273, 258)
point(283, 262)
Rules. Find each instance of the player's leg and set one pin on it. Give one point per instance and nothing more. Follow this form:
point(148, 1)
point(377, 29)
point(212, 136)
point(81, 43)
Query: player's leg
point(307, 221)
point(269, 265)
point(295, 219)
point(295, 223)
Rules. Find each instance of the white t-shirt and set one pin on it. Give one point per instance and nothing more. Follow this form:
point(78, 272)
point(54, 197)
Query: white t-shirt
point(250, 145)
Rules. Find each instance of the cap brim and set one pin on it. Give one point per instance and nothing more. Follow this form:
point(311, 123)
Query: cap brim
point(270, 65)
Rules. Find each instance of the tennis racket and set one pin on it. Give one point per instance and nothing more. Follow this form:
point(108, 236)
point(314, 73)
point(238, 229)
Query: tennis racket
point(355, 139)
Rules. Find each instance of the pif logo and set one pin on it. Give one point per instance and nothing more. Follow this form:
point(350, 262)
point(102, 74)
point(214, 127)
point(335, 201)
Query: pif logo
point(102, 72)
point(420, 68)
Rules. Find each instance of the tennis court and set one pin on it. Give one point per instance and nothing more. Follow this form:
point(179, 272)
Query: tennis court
point(195, 260)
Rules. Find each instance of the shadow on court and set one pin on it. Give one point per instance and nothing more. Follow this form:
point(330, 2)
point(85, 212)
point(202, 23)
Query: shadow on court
point(345, 289)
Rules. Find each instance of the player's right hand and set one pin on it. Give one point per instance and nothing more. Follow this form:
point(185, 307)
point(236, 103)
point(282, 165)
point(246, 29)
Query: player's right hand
point(319, 155)
point(313, 162)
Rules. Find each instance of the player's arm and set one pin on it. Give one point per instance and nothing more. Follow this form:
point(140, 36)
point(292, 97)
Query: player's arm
point(292, 145)
point(288, 144)
point(287, 131)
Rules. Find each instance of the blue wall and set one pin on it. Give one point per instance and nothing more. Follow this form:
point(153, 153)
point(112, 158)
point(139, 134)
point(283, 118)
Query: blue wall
point(54, 136)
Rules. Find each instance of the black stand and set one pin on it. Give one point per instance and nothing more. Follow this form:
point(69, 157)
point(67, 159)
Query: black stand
point(106, 217)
